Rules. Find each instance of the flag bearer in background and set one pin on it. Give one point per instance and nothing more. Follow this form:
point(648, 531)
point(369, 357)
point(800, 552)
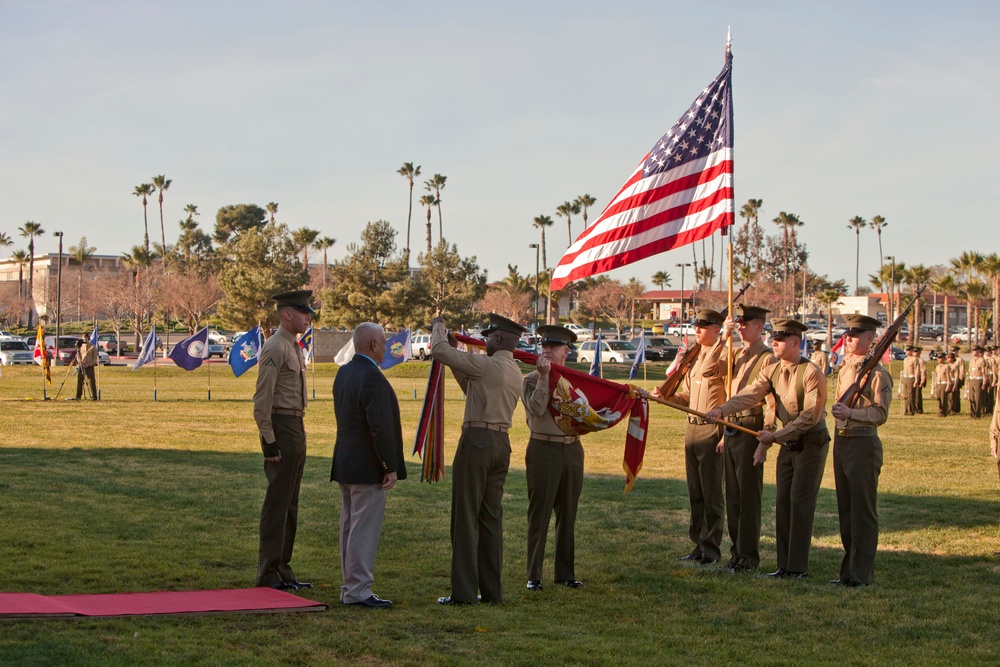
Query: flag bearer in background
point(279, 404)
point(553, 465)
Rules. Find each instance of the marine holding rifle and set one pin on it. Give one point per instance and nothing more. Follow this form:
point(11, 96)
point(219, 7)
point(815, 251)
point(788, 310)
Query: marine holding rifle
point(799, 390)
point(857, 450)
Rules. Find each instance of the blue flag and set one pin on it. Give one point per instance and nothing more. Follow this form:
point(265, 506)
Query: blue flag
point(595, 365)
point(306, 343)
point(245, 351)
point(640, 357)
point(397, 350)
point(148, 352)
point(93, 336)
point(190, 352)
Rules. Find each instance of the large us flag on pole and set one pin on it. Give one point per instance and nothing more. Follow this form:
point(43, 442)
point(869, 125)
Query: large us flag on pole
point(681, 192)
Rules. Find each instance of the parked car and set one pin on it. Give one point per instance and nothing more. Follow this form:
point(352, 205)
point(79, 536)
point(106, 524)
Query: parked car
point(109, 343)
point(680, 329)
point(14, 352)
point(582, 333)
point(612, 351)
point(216, 337)
point(658, 348)
point(898, 354)
point(67, 348)
point(216, 350)
point(420, 346)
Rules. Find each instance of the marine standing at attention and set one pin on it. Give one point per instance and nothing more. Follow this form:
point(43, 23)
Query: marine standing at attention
point(492, 385)
point(857, 453)
point(279, 404)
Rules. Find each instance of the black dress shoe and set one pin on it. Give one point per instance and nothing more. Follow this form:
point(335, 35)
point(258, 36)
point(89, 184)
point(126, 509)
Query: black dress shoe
point(738, 569)
point(837, 582)
point(284, 586)
point(570, 583)
point(534, 585)
point(448, 600)
point(690, 557)
point(708, 561)
point(302, 584)
point(777, 574)
point(795, 575)
point(373, 602)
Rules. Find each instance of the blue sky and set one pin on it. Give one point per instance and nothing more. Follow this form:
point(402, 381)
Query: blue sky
point(841, 109)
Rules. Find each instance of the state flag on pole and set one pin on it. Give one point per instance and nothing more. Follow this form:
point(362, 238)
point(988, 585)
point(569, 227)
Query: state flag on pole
point(837, 353)
point(595, 365)
point(397, 350)
point(345, 354)
point(190, 352)
point(148, 352)
point(41, 354)
point(681, 192)
point(640, 358)
point(306, 343)
point(245, 352)
point(93, 336)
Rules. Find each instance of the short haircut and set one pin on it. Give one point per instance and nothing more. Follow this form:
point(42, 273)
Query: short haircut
point(365, 333)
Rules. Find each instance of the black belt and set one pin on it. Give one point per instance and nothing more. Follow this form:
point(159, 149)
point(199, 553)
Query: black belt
point(698, 421)
point(489, 427)
point(858, 432)
point(564, 439)
point(750, 412)
point(286, 411)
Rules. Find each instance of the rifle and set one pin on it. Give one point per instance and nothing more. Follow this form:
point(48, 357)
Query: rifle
point(683, 365)
point(874, 356)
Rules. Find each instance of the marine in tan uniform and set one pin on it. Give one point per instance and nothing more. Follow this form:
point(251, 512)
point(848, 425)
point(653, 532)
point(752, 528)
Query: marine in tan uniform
point(944, 384)
point(704, 388)
point(958, 364)
point(279, 404)
point(921, 381)
point(976, 382)
point(553, 466)
point(821, 359)
point(908, 385)
point(857, 454)
point(492, 385)
point(799, 390)
point(995, 436)
point(744, 480)
point(989, 385)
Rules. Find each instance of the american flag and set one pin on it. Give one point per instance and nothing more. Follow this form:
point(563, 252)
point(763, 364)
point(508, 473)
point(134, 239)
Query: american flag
point(681, 192)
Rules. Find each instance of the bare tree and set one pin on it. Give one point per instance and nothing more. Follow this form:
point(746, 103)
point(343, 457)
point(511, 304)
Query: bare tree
point(191, 297)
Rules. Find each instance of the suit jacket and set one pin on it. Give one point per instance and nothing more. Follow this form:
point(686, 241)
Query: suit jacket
point(369, 435)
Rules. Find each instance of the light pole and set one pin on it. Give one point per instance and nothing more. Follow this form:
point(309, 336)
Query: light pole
point(892, 288)
point(682, 288)
point(537, 298)
point(58, 296)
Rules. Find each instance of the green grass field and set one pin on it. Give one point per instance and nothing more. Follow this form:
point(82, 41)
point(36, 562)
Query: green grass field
point(134, 495)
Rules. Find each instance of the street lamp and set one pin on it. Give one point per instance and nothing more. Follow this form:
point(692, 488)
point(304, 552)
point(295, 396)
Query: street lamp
point(537, 298)
point(682, 288)
point(892, 288)
point(58, 295)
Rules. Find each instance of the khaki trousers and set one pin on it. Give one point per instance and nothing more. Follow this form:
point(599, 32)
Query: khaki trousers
point(362, 509)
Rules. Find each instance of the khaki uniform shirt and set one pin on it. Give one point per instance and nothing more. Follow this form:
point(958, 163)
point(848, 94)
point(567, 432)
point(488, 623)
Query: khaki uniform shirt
point(787, 400)
point(704, 386)
point(492, 385)
point(911, 368)
point(821, 360)
point(88, 354)
point(945, 377)
point(922, 372)
point(871, 408)
point(746, 361)
point(281, 380)
point(995, 431)
point(977, 369)
point(959, 367)
point(536, 398)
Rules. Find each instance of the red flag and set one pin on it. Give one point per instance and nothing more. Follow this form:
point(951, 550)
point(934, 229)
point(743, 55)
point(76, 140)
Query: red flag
point(681, 192)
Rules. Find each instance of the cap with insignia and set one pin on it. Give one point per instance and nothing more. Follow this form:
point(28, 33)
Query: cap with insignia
point(552, 334)
point(978, 348)
point(918, 349)
point(500, 323)
point(299, 300)
point(748, 313)
point(955, 348)
point(858, 323)
point(910, 348)
point(706, 316)
point(782, 328)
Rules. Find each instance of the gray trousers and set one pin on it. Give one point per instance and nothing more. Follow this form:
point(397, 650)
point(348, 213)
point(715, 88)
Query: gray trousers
point(280, 513)
point(744, 487)
point(361, 511)
point(554, 471)
point(704, 481)
point(798, 476)
point(857, 463)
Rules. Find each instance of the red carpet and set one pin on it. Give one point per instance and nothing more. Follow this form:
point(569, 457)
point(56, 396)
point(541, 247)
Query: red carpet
point(252, 600)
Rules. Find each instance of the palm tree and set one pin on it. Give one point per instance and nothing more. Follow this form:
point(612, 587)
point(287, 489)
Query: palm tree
point(583, 202)
point(303, 238)
point(20, 257)
point(633, 289)
point(749, 212)
point(829, 298)
point(857, 223)
point(967, 266)
point(138, 258)
point(142, 191)
point(162, 183)
point(877, 223)
point(436, 185)
point(81, 253)
point(325, 243)
point(192, 211)
point(991, 269)
point(428, 201)
point(787, 222)
point(916, 277)
point(661, 279)
point(30, 230)
point(946, 286)
point(568, 210)
point(541, 222)
point(5, 240)
point(409, 172)
point(271, 208)
point(973, 292)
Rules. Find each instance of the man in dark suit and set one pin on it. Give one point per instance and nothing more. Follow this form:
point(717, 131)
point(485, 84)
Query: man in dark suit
point(367, 460)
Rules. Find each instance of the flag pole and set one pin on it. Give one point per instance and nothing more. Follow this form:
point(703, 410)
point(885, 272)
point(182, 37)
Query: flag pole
point(99, 362)
point(208, 364)
point(154, 369)
point(729, 345)
point(313, 361)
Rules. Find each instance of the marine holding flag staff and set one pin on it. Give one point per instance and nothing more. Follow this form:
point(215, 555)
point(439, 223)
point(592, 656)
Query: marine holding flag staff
point(279, 404)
